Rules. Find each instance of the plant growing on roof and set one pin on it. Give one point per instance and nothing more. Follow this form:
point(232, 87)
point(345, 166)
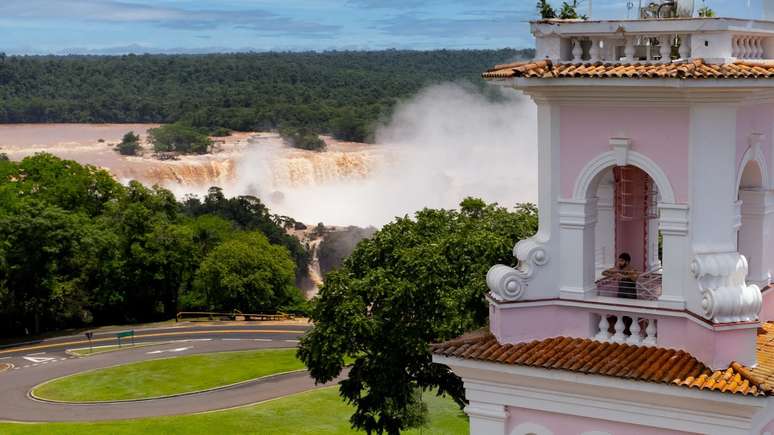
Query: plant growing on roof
point(706, 12)
point(569, 11)
point(545, 10)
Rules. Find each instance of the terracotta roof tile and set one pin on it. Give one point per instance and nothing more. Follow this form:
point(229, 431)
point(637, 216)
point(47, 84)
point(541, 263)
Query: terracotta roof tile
point(695, 69)
point(642, 363)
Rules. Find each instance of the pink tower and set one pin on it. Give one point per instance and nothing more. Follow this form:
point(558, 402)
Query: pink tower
point(654, 140)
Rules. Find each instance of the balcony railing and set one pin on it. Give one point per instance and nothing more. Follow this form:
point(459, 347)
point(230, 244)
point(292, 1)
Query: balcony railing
point(653, 48)
point(647, 287)
point(633, 330)
point(642, 48)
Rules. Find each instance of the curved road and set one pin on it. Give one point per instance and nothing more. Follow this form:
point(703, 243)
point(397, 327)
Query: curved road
point(34, 364)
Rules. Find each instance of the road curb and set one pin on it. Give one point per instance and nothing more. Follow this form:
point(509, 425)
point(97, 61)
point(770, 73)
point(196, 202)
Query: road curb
point(32, 396)
point(210, 411)
point(127, 347)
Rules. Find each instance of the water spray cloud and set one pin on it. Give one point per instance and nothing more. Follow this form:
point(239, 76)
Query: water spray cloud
point(446, 143)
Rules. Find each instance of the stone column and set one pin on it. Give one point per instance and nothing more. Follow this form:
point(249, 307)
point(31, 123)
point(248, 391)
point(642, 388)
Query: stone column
point(714, 212)
point(673, 225)
point(713, 177)
point(577, 219)
point(604, 232)
point(751, 231)
point(753, 235)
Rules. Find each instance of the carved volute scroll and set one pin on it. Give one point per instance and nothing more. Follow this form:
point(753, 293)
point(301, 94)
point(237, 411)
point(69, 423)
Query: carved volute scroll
point(726, 297)
point(510, 284)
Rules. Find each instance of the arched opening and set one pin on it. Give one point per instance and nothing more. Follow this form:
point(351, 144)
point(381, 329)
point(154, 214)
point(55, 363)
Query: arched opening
point(750, 237)
point(620, 210)
point(752, 177)
point(627, 227)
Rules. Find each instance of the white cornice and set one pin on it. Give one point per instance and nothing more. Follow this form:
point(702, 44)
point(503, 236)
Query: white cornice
point(669, 26)
point(634, 307)
point(629, 92)
point(609, 398)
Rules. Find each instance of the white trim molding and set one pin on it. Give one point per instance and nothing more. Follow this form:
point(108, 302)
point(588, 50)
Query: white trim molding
point(590, 396)
point(590, 172)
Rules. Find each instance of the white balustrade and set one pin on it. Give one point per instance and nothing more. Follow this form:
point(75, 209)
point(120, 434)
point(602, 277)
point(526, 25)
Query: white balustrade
point(747, 47)
point(619, 336)
point(641, 331)
point(635, 329)
point(603, 327)
point(656, 41)
point(639, 48)
point(577, 51)
point(650, 333)
point(665, 43)
point(642, 48)
point(594, 50)
point(630, 50)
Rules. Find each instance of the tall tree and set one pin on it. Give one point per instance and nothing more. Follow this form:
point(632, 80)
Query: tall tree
point(248, 274)
point(41, 247)
point(416, 281)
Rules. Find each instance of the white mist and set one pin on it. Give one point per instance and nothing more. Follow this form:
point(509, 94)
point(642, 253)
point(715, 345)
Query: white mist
point(446, 143)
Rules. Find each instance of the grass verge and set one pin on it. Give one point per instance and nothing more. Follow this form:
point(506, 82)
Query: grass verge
point(169, 376)
point(313, 412)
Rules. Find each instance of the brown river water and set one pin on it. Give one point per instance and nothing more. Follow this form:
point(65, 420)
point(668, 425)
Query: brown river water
point(256, 163)
point(348, 184)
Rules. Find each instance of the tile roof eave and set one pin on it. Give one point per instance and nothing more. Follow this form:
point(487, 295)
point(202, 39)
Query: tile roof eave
point(639, 363)
point(752, 393)
point(696, 69)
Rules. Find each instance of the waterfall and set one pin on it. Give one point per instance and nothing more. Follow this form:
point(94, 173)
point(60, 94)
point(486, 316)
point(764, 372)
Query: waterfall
point(315, 275)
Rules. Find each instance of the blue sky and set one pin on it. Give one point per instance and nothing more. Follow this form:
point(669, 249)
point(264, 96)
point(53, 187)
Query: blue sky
point(120, 26)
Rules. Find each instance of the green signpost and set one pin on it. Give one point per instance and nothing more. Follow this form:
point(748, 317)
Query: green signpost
point(125, 334)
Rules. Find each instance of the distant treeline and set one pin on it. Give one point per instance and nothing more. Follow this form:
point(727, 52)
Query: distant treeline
point(341, 93)
point(78, 248)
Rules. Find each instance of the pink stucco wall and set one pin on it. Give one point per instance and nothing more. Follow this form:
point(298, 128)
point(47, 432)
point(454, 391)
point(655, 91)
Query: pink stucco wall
point(754, 119)
point(518, 325)
point(715, 348)
point(561, 424)
point(660, 133)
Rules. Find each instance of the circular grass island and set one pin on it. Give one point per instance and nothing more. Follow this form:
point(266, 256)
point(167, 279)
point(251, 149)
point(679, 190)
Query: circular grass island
point(168, 376)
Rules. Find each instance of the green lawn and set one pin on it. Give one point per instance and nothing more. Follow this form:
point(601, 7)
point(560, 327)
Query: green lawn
point(169, 376)
point(313, 412)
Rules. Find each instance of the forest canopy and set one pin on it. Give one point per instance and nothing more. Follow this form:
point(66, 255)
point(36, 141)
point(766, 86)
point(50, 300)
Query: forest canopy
point(341, 93)
point(77, 248)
